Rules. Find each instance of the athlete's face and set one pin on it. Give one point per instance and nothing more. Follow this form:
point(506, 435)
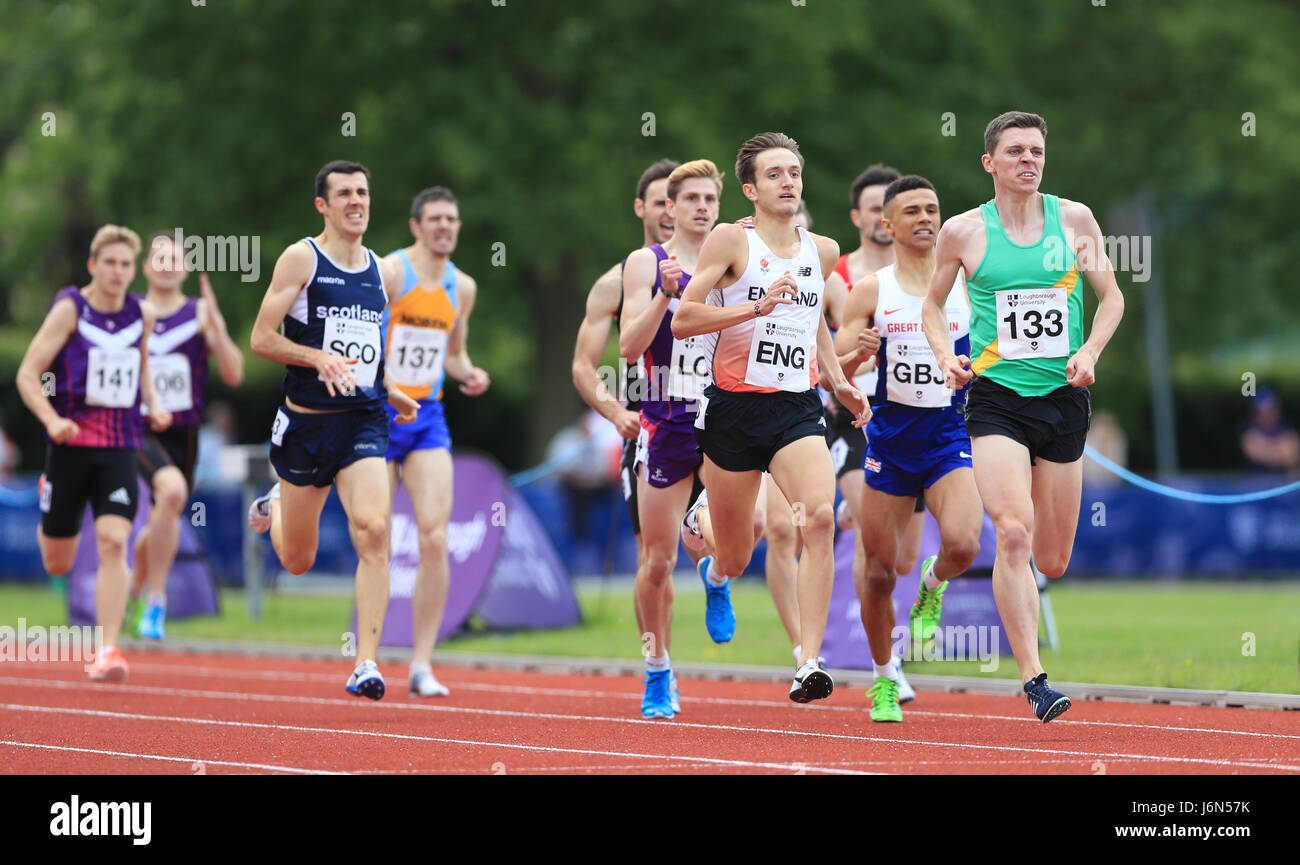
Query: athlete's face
point(778, 182)
point(1017, 161)
point(347, 210)
point(113, 268)
point(696, 207)
point(653, 211)
point(164, 265)
point(438, 228)
point(869, 213)
point(912, 218)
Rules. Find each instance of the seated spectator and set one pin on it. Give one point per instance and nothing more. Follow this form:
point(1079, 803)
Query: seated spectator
point(1269, 441)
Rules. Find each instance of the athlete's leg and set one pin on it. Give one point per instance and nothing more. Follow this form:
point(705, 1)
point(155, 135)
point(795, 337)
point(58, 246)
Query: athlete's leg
point(732, 498)
point(57, 554)
point(909, 550)
point(852, 485)
point(1002, 474)
point(803, 471)
point(661, 511)
point(1057, 493)
point(427, 475)
point(155, 546)
point(883, 520)
point(955, 502)
point(782, 564)
point(369, 523)
point(295, 525)
point(112, 578)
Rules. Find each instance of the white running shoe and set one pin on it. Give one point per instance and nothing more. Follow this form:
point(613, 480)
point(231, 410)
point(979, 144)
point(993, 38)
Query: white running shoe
point(366, 681)
point(259, 512)
point(843, 517)
point(691, 535)
point(425, 684)
point(811, 682)
point(905, 692)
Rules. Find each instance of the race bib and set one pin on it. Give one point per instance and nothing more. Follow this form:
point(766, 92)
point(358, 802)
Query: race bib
point(778, 356)
point(112, 376)
point(1033, 323)
point(171, 381)
point(350, 337)
point(914, 375)
point(691, 371)
point(278, 426)
point(416, 355)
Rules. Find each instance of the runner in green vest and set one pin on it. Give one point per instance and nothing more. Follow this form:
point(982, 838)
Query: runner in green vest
point(1024, 255)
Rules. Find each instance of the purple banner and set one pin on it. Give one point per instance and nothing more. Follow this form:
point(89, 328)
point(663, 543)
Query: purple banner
point(967, 603)
point(190, 589)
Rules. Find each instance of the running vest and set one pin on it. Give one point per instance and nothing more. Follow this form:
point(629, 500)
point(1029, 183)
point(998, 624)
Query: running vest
point(677, 370)
point(418, 326)
point(775, 352)
point(910, 395)
point(96, 375)
point(178, 364)
point(1026, 310)
point(863, 381)
point(339, 311)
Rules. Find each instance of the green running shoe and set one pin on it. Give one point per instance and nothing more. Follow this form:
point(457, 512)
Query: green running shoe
point(131, 624)
point(928, 607)
point(884, 700)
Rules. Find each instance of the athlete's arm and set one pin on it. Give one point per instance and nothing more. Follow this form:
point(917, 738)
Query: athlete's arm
point(391, 270)
point(230, 360)
point(473, 379)
point(159, 417)
point(948, 248)
point(589, 349)
point(1080, 370)
point(641, 312)
point(848, 395)
point(725, 254)
point(60, 323)
point(292, 271)
point(857, 342)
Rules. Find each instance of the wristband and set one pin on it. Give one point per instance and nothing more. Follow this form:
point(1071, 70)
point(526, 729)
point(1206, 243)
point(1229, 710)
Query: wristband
point(758, 309)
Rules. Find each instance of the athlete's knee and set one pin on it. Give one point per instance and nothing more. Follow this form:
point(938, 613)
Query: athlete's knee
point(961, 547)
point(370, 535)
point(781, 534)
point(110, 541)
point(298, 562)
point(1052, 565)
point(880, 576)
point(59, 559)
point(170, 495)
point(731, 563)
point(1014, 538)
point(819, 523)
point(433, 540)
point(659, 564)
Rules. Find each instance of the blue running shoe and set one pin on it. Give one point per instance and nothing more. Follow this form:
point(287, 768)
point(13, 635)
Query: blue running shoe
point(1045, 702)
point(151, 622)
point(365, 681)
point(673, 696)
point(719, 616)
point(657, 702)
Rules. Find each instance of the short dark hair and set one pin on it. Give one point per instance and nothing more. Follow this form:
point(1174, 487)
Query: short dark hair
point(433, 193)
point(875, 175)
point(748, 153)
point(1011, 120)
point(341, 166)
point(906, 184)
point(657, 171)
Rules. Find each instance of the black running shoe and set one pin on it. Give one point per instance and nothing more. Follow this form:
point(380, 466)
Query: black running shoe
point(1045, 702)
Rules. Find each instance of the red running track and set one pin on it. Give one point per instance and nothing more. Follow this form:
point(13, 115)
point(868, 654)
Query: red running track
point(189, 714)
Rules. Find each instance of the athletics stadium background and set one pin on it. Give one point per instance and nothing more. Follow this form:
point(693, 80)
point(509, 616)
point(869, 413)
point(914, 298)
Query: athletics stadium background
point(1175, 125)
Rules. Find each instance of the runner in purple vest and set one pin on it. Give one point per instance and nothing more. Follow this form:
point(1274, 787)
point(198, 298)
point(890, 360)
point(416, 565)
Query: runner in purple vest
point(83, 377)
point(187, 330)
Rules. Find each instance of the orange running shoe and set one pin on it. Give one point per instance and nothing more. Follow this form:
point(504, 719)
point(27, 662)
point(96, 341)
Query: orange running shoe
point(109, 666)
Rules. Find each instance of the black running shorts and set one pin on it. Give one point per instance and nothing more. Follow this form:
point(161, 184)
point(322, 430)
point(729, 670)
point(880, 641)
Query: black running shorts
point(1053, 427)
point(742, 431)
point(74, 475)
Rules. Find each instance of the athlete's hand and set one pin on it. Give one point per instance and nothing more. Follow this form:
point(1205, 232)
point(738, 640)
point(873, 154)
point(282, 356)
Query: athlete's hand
point(853, 400)
point(159, 418)
point(337, 373)
point(407, 408)
point(779, 292)
point(956, 371)
point(628, 423)
point(1079, 370)
point(671, 273)
point(211, 313)
point(61, 430)
point(868, 342)
point(476, 382)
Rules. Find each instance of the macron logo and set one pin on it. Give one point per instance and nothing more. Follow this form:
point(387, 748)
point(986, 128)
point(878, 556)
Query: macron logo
point(120, 496)
point(332, 280)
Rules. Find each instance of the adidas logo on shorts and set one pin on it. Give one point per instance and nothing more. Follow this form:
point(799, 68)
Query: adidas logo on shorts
point(120, 496)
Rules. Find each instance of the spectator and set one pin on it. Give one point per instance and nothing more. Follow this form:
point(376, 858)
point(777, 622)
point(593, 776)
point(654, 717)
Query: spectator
point(1107, 438)
point(583, 453)
point(1269, 441)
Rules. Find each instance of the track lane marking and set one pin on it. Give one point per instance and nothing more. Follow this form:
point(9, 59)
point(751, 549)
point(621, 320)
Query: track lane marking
point(162, 757)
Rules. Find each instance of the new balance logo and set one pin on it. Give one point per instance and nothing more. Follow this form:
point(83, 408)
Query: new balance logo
point(120, 496)
point(805, 271)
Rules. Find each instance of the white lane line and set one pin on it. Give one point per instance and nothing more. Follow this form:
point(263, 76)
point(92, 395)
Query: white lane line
point(525, 690)
point(293, 728)
point(190, 760)
point(83, 685)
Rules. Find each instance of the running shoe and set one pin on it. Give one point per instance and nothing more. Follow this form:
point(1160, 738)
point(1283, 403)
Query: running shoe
point(811, 682)
point(719, 616)
point(425, 684)
point(109, 666)
point(259, 512)
point(884, 700)
point(928, 607)
point(657, 702)
point(692, 538)
point(131, 624)
point(151, 622)
point(366, 681)
point(843, 516)
point(1045, 702)
point(674, 697)
point(905, 692)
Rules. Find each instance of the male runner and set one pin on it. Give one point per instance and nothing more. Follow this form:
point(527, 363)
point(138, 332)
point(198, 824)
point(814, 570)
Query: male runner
point(328, 293)
point(83, 376)
point(1028, 410)
point(426, 327)
point(677, 371)
point(187, 330)
point(916, 439)
point(762, 413)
